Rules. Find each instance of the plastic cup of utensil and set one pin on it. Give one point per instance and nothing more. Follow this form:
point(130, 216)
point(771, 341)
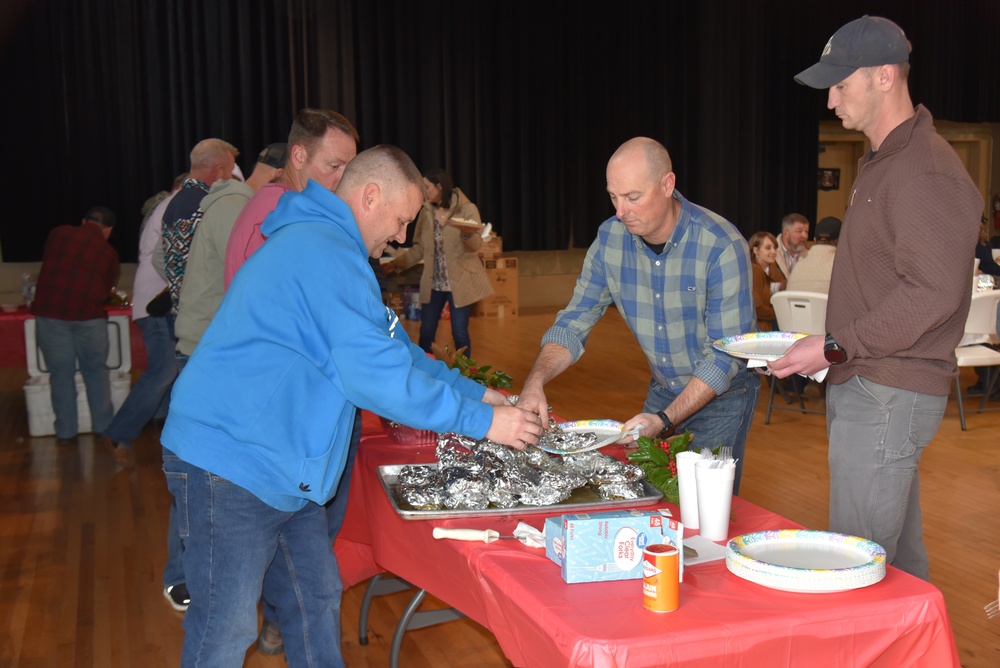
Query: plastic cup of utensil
point(688, 488)
point(715, 497)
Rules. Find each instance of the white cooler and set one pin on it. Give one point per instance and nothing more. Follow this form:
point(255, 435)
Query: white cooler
point(37, 395)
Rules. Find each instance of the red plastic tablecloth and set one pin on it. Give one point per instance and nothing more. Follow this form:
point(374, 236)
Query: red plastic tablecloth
point(539, 620)
point(12, 351)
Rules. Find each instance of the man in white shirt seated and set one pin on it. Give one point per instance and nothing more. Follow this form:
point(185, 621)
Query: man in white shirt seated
point(792, 242)
point(812, 273)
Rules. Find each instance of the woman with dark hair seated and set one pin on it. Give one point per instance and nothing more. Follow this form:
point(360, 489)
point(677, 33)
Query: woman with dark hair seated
point(767, 278)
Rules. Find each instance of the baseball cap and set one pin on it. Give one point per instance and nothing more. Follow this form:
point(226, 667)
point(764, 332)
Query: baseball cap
point(866, 42)
point(828, 229)
point(274, 155)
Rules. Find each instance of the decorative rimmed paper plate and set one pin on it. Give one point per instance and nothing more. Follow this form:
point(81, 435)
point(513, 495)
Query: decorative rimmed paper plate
point(608, 432)
point(758, 345)
point(809, 562)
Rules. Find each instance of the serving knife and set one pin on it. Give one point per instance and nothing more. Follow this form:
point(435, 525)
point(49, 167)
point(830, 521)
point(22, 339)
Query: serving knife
point(485, 535)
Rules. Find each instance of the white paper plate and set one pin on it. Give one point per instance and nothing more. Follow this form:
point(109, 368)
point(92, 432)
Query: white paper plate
point(608, 432)
point(758, 345)
point(811, 562)
point(469, 224)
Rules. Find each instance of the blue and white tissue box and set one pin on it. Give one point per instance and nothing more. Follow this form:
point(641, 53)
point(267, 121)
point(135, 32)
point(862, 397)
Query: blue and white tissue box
point(599, 547)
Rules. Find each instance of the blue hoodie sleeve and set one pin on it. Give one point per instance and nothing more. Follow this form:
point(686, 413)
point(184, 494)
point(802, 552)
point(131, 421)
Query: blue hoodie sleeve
point(453, 377)
point(357, 343)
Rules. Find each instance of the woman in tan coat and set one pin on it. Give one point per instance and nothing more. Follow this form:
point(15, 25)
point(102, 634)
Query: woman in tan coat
point(447, 240)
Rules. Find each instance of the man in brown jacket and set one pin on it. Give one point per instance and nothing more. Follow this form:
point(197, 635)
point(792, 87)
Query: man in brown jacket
point(899, 294)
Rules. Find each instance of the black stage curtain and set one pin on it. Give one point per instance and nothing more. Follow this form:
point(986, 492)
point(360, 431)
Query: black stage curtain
point(522, 102)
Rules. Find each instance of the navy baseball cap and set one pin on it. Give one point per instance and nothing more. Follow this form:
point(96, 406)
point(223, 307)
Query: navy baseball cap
point(866, 42)
point(274, 155)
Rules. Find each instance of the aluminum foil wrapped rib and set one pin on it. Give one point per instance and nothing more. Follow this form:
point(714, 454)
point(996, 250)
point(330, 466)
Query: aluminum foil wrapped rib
point(420, 487)
point(557, 439)
point(475, 475)
point(620, 490)
point(465, 488)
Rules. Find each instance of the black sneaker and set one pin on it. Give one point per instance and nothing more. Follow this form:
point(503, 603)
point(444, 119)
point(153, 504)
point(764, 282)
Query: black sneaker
point(177, 596)
point(974, 390)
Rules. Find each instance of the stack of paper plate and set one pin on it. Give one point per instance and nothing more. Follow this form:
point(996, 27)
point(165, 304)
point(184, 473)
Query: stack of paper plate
point(806, 561)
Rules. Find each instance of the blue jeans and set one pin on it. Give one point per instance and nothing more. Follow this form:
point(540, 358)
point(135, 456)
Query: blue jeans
point(430, 314)
point(150, 396)
point(877, 435)
point(725, 420)
point(66, 344)
point(230, 540)
point(173, 571)
point(277, 580)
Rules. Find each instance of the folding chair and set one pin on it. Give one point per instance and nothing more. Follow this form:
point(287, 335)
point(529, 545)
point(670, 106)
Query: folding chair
point(980, 327)
point(797, 312)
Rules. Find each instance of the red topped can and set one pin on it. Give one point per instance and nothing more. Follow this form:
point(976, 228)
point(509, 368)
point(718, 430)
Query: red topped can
point(660, 578)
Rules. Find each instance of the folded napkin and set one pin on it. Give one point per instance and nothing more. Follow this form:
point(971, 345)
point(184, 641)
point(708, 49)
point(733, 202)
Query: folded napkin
point(529, 535)
point(707, 550)
point(761, 366)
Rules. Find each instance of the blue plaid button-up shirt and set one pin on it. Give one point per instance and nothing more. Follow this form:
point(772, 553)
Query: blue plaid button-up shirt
point(677, 303)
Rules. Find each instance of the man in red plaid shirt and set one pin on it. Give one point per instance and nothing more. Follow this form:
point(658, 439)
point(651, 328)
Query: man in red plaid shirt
point(79, 270)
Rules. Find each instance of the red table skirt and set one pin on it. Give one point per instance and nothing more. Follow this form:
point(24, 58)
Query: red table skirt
point(539, 620)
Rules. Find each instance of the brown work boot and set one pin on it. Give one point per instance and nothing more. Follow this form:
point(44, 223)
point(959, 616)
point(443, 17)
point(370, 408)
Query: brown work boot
point(124, 457)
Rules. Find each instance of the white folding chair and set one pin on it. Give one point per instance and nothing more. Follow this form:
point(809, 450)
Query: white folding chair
point(980, 327)
point(803, 312)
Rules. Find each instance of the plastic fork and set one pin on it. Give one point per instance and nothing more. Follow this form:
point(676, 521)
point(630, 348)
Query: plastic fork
point(720, 460)
point(992, 609)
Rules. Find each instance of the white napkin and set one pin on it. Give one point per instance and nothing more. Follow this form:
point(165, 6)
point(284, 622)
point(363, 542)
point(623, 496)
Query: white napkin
point(529, 535)
point(707, 550)
point(758, 364)
point(486, 231)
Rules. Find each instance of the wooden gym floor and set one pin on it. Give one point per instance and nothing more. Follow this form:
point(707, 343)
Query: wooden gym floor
point(82, 545)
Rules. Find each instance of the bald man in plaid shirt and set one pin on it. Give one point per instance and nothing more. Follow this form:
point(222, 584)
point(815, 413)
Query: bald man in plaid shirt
point(680, 276)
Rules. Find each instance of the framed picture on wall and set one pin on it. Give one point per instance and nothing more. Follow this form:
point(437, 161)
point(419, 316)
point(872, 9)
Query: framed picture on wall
point(829, 179)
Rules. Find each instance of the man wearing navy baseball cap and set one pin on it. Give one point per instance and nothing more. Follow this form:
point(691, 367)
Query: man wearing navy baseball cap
point(866, 42)
point(899, 295)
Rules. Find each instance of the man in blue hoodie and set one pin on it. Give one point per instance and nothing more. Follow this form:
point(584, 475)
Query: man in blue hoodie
point(261, 417)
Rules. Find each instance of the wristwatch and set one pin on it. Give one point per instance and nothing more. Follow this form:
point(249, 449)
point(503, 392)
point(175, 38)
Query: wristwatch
point(833, 353)
point(668, 426)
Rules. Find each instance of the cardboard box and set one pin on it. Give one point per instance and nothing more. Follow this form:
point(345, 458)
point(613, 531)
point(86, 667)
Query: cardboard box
point(492, 248)
point(502, 273)
point(598, 547)
point(553, 531)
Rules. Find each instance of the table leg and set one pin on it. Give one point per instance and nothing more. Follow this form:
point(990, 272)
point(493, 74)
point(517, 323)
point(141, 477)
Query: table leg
point(377, 586)
point(412, 619)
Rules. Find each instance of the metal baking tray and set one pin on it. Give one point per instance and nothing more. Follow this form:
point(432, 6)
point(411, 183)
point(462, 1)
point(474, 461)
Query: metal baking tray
point(583, 499)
